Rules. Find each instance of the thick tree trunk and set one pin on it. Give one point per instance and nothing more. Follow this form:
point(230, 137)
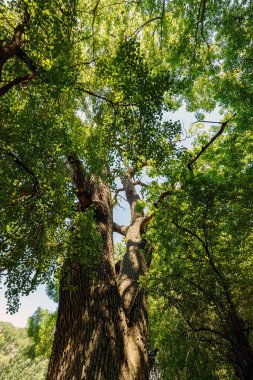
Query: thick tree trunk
point(95, 338)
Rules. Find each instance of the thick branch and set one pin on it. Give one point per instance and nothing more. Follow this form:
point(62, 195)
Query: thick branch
point(131, 195)
point(145, 223)
point(80, 182)
point(204, 148)
point(122, 230)
point(140, 183)
point(5, 88)
point(147, 219)
point(15, 48)
point(132, 171)
point(22, 55)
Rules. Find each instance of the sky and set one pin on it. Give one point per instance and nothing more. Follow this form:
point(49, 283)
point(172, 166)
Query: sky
point(29, 304)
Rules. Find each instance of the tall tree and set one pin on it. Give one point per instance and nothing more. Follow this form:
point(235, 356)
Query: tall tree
point(58, 168)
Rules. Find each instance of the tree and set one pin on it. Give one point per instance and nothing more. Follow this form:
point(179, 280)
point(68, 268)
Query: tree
point(58, 171)
point(204, 259)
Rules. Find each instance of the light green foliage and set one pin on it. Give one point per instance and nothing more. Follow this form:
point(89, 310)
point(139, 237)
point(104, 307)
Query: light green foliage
point(40, 328)
point(14, 364)
point(179, 356)
point(140, 205)
point(119, 250)
point(85, 241)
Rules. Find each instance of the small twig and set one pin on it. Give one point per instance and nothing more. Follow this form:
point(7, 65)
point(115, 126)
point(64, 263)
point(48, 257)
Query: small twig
point(94, 11)
point(207, 121)
point(114, 200)
point(194, 234)
point(95, 95)
point(162, 19)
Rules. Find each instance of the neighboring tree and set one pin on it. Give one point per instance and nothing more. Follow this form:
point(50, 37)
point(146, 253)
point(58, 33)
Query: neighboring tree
point(202, 270)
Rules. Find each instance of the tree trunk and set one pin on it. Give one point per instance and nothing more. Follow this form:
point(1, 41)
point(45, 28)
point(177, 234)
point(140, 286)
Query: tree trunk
point(241, 354)
point(95, 338)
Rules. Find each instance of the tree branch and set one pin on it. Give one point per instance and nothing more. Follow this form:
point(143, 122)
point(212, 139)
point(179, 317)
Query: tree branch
point(131, 194)
point(20, 163)
point(139, 182)
point(190, 233)
point(79, 181)
point(122, 230)
point(5, 88)
point(147, 219)
point(204, 148)
point(114, 200)
point(209, 330)
point(95, 95)
point(146, 23)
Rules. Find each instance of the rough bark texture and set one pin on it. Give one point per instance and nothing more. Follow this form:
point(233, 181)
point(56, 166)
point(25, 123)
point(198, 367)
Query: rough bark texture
point(101, 334)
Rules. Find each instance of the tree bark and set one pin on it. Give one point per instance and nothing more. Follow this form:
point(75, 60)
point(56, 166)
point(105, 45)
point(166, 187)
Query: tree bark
point(240, 354)
point(97, 337)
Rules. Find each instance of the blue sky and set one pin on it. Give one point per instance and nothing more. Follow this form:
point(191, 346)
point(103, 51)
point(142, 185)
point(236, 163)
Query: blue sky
point(39, 298)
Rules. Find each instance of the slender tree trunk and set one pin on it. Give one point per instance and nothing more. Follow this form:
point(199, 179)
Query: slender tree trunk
point(96, 338)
